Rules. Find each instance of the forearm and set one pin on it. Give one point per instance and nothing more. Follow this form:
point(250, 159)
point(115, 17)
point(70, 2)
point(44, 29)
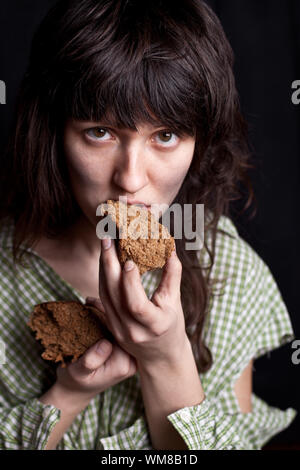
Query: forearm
point(167, 388)
point(70, 406)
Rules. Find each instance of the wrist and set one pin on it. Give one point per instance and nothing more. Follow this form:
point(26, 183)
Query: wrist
point(176, 361)
point(172, 385)
point(69, 402)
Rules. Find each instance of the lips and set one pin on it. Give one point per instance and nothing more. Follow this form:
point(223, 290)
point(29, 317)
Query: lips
point(142, 206)
point(130, 201)
point(138, 203)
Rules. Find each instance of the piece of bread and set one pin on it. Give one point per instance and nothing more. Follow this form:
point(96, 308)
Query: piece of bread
point(67, 329)
point(140, 244)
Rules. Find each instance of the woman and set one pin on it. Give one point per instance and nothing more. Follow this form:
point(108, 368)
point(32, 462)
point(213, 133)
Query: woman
point(128, 99)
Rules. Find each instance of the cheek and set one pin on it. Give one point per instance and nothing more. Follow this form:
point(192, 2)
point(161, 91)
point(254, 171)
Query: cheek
point(176, 172)
point(78, 165)
point(74, 160)
point(87, 187)
point(87, 179)
point(81, 175)
point(172, 179)
point(83, 169)
point(167, 181)
point(171, 176)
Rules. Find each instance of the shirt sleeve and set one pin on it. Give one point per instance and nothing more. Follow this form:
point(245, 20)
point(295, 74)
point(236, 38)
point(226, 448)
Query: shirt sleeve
point(27, 426)
point(135, 437)
point(208, 427)
point(127, 427)
point(249, 320)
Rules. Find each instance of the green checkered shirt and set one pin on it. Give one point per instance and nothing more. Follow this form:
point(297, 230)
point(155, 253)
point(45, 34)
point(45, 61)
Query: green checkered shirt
point(246, 321)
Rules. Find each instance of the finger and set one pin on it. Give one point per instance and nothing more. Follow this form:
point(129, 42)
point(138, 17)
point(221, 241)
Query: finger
point(170, 283)
point(119, 366)
point(95, 302)
point(109, 275)
point(122, 323)
point(97, 308)
point(93, 358)
point(93, 305)
point(112, 271)
point(111, 315)
point(135, 296)
point(133, 366)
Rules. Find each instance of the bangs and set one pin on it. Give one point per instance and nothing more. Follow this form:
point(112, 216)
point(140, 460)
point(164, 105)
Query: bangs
point(151, 92)
point(136, 75)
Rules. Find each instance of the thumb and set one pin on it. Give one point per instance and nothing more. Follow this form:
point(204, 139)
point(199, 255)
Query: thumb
point(94, 357)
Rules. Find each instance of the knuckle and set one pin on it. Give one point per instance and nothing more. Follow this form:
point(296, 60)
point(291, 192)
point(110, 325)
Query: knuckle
point(131, 335)
point(160, 296)
point(88, 363)
point(158, 330)
point(137, 337)
point(124, 368)
point(108, 261)
point(138, 306)
point(119, 337)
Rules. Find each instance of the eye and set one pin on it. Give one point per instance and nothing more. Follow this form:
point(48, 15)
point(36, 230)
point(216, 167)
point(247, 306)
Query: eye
point(98, 133)
point(167, 138)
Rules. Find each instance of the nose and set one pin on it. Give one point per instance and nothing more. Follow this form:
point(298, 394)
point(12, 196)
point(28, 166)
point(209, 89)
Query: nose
point(131, 171)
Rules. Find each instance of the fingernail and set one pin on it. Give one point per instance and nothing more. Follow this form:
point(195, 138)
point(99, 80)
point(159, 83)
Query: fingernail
point(129, 265)
point(90, 299)
point(102, 346)
point(106, 243)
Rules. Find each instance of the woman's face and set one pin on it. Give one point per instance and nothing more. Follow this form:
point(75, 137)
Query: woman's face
point(148, 165)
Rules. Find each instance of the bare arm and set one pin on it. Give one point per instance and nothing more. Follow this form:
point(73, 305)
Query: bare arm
point(70, 406)
point(243, 389)
point(82, 380)
point(168, 388)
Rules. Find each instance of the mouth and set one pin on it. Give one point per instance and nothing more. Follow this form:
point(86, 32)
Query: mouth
point(141, 204)
point(137, 203)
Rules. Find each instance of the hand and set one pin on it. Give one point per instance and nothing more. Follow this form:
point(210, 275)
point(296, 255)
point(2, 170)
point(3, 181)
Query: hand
point(94, 372)
point(149, 330)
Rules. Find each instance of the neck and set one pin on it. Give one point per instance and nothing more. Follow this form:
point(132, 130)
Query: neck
point(82, 238)
point(79, 240)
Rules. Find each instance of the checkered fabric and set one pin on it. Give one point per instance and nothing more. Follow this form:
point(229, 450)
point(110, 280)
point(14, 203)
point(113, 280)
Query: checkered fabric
point(247, 320)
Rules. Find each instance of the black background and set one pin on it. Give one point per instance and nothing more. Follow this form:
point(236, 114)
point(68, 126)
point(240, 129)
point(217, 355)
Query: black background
point(265, 36)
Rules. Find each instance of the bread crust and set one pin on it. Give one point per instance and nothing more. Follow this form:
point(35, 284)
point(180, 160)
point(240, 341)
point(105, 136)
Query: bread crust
point(141, 238)
point(67, 329)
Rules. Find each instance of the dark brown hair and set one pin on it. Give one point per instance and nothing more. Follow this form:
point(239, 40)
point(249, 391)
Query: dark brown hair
point(163, 62)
